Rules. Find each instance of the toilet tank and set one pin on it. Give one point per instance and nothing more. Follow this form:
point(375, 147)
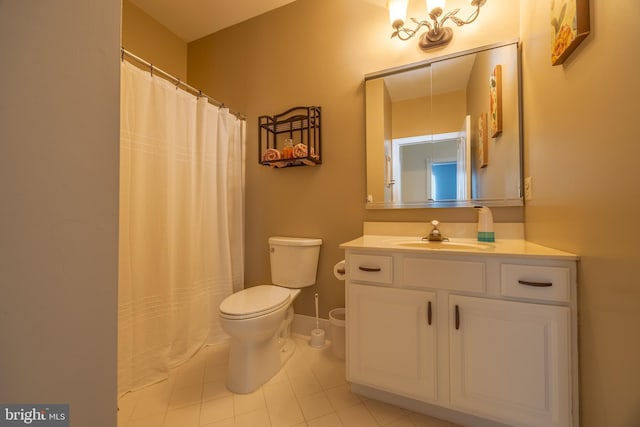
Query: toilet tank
point(294, 261)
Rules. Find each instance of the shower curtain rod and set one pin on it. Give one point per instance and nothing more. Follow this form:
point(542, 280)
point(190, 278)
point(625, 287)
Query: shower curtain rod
point(153, 69)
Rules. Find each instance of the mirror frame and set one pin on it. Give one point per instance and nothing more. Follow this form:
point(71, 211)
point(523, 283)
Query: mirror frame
point(459, 203)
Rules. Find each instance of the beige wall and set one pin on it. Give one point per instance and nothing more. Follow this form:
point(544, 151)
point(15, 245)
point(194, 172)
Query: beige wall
point(147, 38)
point(498, 179)
point(378, 116)
point(59, 130)
point(582, 150)
point(316, 52)
point(415, 117)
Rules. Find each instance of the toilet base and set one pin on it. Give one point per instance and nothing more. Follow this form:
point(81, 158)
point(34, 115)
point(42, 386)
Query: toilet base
point(259, 348)
point(252, 366)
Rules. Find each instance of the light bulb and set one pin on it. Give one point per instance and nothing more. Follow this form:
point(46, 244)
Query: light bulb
point(397, 10)
point(433, 4)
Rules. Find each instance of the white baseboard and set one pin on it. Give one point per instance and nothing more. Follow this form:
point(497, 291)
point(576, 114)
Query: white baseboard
point(459, 418)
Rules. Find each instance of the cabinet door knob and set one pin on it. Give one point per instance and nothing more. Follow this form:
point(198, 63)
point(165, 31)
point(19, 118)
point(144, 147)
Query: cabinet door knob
point(370, 269)
point(429, 314)
point(536, 284)
point(457, 317)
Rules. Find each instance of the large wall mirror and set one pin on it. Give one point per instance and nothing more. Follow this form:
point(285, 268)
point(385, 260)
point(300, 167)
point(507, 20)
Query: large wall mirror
point(446, 132)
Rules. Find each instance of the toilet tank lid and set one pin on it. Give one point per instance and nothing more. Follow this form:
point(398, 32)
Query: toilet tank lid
point(294, 241)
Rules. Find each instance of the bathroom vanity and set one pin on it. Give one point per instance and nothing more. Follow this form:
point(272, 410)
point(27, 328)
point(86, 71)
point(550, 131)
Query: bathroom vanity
point(481, 334)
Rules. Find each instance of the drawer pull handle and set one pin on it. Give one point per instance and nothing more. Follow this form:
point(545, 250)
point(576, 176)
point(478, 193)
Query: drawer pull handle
point(536, 284)
point(457, 317)
point(370, 269)
point(341, 271)
point(429, 314)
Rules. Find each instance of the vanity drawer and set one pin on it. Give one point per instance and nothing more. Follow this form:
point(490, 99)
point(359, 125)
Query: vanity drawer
point(371, 268)
point(444, 274)
point(539, 282)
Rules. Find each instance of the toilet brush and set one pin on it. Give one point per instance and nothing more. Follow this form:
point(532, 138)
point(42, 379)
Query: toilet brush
point(317, 317)
point(317, 334)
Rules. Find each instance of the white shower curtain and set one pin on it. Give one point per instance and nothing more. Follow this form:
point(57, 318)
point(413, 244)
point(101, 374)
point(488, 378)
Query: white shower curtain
point(181, 224)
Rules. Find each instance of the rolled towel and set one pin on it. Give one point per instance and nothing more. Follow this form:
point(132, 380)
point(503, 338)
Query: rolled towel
point(271, 154)
point(300, 150)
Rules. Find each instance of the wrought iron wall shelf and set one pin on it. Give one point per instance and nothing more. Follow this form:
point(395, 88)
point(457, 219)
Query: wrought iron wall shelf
point(291, 138)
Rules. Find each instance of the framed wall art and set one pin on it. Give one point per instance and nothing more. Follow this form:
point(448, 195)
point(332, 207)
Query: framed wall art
point(495, 101)
point(483, 148)
point(569, 26)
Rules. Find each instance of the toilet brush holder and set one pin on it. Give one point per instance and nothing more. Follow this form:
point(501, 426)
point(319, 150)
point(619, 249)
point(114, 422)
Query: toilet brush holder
point(317, 339)
point(317, 334)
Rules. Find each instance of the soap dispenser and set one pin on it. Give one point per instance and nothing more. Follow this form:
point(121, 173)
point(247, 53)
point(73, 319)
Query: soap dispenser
point(485, 225)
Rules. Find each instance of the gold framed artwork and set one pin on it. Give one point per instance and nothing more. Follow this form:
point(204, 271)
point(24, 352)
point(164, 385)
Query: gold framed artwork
point(569, 26)
point(482, 148)
point(495, 101)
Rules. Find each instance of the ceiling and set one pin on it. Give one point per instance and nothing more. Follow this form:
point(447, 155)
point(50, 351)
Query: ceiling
point(441, 77)
point(193, 19)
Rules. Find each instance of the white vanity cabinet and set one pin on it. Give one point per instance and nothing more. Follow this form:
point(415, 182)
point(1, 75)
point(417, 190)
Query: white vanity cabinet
point(489, 335)
point(510, 360)
point(392, 341)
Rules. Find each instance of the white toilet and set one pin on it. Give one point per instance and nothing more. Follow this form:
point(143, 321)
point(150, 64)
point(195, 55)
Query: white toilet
point(258, 319)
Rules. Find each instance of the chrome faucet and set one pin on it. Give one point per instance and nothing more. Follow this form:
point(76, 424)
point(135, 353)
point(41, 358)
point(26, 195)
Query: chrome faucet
point(435, 235)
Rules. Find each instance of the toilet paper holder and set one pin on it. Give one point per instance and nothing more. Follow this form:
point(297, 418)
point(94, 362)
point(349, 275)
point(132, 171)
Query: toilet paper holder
point(339, 270)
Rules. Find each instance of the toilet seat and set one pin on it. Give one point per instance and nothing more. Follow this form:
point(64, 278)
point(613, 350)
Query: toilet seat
point(254, 302)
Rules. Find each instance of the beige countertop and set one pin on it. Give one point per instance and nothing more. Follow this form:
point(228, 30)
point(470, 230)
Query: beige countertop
point(458, 246)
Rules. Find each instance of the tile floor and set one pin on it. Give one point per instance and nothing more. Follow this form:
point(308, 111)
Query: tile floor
point(310, 391)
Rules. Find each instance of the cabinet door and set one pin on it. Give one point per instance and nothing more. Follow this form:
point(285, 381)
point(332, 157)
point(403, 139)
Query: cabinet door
point(391, 340)
point(511, 361)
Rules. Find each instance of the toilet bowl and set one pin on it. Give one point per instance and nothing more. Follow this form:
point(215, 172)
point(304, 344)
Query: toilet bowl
point(258, 319)
point(253, 318)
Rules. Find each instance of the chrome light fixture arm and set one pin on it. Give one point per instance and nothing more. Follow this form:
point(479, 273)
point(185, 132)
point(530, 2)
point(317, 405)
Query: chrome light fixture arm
point(437, 34)
point(404, 33)
point(459, 22)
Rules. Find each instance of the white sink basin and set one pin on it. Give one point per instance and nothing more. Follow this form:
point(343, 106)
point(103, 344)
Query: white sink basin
point(449, 245)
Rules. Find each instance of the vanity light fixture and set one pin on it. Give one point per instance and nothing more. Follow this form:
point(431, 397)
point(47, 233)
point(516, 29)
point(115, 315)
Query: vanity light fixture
point(437, 34)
